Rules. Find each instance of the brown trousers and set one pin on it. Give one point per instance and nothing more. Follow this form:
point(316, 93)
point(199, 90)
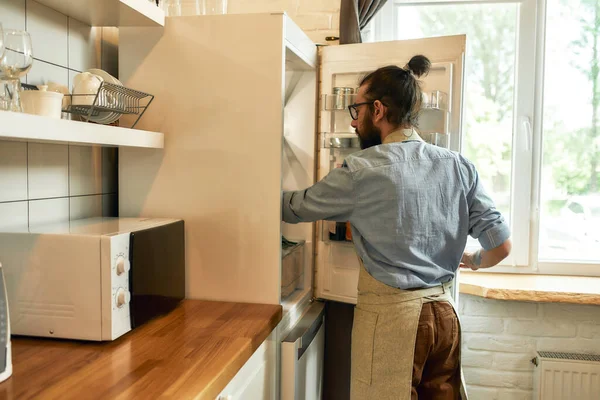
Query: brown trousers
point(436, 368)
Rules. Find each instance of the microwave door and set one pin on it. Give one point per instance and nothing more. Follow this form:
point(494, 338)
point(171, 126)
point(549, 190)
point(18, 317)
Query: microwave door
point(157, 274)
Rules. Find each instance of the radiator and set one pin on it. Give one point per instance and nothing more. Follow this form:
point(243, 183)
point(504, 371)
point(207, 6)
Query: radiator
point(566, 376)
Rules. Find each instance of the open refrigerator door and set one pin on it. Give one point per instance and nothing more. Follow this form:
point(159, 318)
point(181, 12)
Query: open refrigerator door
point(440, 123)
point(298, 166)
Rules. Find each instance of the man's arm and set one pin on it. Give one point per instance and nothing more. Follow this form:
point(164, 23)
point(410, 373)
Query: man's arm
point(332, 199)
point(486, 224)
point(486, 258)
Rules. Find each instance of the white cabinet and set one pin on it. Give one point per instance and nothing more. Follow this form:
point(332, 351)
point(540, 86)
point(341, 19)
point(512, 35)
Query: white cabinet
point(256, 380)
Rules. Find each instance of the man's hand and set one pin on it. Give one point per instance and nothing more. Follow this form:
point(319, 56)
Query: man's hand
point(486, 258)
point(471, 260)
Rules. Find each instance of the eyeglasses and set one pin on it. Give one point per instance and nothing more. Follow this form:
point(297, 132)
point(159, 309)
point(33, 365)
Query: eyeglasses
point(353, 108)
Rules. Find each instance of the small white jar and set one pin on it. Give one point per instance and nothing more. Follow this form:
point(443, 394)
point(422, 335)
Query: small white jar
point(42, 102)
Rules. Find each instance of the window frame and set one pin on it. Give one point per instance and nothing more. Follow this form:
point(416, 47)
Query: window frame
point(527, 140)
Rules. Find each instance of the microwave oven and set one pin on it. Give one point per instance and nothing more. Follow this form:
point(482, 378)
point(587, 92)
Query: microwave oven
point(93, 279)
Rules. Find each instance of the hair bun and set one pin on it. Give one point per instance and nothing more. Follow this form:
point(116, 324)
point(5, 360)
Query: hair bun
point(419, 65)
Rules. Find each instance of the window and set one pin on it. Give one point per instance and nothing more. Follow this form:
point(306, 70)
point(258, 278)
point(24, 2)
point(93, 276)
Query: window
point(570, 173)
point(530, 116)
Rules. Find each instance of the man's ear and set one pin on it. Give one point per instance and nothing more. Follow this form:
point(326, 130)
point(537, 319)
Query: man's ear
point(379, 111)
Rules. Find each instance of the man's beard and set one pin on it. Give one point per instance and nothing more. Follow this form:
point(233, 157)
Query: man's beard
point(369, 135)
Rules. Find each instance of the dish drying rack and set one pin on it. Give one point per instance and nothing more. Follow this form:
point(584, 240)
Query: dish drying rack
point(110, 98)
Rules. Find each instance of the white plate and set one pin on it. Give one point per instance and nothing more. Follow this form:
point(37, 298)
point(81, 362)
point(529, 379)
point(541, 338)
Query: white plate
point(106, 117)
point(105, 75)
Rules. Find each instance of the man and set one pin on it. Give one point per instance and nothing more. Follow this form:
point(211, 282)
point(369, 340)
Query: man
point(411, 206)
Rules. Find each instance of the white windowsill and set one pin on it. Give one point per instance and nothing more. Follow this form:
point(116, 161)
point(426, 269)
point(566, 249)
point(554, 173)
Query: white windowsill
point(536, 288)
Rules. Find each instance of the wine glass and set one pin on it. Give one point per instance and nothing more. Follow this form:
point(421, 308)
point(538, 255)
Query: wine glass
point(16, 63)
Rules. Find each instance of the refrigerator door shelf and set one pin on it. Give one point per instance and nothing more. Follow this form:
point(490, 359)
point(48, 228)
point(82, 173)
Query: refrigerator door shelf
point(337, 102)
point(339, 140)
point(435, 100)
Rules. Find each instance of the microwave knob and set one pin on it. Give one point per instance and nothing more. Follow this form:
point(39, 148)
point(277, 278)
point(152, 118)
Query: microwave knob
point(122, 265)
point(122, 297)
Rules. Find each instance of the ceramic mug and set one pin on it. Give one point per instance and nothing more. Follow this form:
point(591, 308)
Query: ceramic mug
point(58, 88)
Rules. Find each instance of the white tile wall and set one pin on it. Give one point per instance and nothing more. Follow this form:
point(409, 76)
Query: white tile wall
point(12, 14)
point(47, 170)
point(85, 170)
point(13, 171)
point(85, 206)
point(14, 216)
point(59, 43)
point(49, 33)
point(49, 211)
point(83, 53)
point(46, 183)
point(501, 337)
point(42, 72)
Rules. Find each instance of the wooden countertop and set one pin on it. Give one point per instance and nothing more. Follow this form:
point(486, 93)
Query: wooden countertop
point(529, 287)
point(193, 352)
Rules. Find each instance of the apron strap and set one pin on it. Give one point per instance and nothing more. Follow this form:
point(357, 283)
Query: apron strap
point(404, 295)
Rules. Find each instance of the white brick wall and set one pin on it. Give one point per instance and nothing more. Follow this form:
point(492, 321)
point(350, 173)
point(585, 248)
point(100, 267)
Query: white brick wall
point(318, 18)
point(501, 337)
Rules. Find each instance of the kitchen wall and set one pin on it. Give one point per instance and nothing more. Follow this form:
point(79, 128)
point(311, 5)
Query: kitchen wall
point(501, 337)
point(318, 18)
point(42, 183)
point(45, 183)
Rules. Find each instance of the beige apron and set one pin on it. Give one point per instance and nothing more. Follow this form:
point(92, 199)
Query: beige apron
point(384, 336)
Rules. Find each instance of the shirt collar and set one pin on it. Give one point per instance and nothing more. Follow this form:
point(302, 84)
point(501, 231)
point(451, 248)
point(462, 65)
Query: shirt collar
point(402, 135)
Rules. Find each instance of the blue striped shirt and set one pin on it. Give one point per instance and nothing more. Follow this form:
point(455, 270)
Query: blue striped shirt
point(411, 206)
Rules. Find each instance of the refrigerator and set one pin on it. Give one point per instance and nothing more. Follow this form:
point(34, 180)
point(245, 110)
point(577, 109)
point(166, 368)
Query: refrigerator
point(250, 107)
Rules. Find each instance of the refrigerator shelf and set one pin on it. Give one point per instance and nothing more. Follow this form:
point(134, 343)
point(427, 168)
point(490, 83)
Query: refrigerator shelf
point(433, 100)
point(337, 102)
point(292, 268)
point(342, 243)
point(339, 140)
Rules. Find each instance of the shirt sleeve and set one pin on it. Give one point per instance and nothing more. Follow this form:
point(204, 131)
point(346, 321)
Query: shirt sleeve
point(331, 199)
point(486, 223)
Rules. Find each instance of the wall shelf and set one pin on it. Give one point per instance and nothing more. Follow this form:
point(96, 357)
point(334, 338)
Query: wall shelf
point(110, 12)
point(34, 128)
